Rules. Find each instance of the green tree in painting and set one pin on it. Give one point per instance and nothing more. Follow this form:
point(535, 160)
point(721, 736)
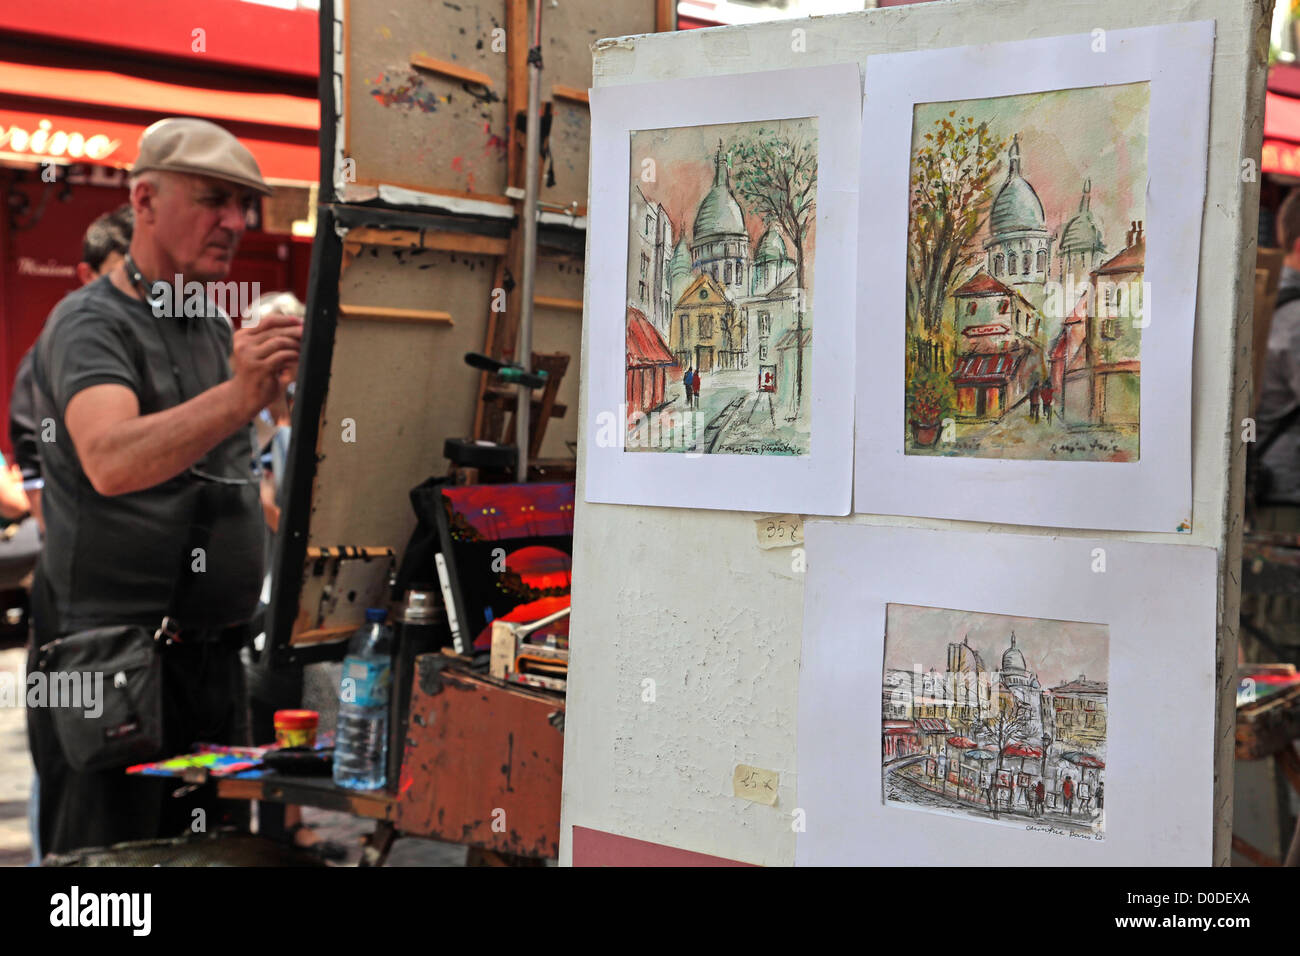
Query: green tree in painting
point(951, 172)
point(776, 178)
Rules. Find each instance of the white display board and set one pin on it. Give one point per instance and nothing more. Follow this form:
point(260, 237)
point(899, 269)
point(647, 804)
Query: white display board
point(688, 636)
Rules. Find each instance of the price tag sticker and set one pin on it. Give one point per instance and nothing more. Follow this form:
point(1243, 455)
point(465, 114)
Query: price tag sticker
point(755, 783)
point(780, 531)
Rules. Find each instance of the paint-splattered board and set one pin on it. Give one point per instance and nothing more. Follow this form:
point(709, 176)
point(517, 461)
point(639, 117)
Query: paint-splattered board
point(569, 28)
point(418, 128)
point(557, 327)
point(397, 391)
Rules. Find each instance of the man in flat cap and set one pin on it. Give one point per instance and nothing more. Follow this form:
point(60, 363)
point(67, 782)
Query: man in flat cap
point(151, 507)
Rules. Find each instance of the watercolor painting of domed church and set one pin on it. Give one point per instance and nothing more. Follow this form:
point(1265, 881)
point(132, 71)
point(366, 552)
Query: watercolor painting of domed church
point(719, 321)
point(1026, 297)
point(996, 718)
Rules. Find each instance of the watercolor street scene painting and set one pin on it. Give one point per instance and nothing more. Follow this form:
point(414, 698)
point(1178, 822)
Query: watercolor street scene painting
point(1025, 291)
point(996, 718)
point(719, 324)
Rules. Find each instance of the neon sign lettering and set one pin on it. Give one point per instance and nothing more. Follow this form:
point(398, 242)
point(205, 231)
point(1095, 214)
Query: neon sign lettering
point(47, 141)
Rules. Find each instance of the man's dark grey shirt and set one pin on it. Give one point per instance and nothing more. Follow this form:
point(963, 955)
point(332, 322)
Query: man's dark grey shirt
point(117, 560)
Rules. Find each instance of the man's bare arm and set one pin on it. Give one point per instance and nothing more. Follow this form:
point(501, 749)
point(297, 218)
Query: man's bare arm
point(123, 451)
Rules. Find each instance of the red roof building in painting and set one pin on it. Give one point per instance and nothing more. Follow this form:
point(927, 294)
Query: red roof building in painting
point(998, 355)
point(648, 362)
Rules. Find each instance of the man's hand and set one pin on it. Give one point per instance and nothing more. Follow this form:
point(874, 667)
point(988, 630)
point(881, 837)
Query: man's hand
point(264, 354)
point(13, 500)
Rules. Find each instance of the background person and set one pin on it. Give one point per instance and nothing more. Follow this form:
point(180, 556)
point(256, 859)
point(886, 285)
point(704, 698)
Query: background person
point(102, 248)
point(1277, 507)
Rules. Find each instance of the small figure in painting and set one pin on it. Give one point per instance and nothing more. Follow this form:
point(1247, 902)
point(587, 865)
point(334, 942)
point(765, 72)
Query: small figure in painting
point(1101, 794)
point(695, 387)
point(1040, 796)
point(1034, 394)
point(1067, 793)
point(686, 385)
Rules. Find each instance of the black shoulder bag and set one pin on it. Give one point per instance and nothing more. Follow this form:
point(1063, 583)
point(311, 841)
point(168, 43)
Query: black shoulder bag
point(105, 684)
point(119, 672)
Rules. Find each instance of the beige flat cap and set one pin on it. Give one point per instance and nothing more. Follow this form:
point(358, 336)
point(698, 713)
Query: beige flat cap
point(180, 144)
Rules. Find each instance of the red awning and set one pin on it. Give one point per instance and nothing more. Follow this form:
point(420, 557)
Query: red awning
point(1021, 750)
point(995, 368)
point(1281, 152)
point(1084, 760)
point(962, 743)
point(645, 346)
point(69, 114)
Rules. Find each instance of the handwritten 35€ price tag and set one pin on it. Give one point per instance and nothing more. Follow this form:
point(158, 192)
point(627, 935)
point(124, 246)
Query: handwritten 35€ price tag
point(780, 531)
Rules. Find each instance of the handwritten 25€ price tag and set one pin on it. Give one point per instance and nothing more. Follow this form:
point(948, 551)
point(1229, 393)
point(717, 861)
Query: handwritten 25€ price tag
point(780, 531)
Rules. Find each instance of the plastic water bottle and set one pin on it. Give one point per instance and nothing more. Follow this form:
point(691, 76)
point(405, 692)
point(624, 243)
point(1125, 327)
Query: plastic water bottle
point(361, 745)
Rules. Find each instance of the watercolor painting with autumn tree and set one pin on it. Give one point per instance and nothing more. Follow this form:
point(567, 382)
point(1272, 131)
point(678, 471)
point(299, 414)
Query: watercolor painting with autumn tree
point(1025, 291)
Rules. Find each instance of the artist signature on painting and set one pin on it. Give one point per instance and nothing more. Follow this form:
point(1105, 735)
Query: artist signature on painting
point(774, 447)
point(1092, 444)
point(1044, 828)
point(1041, 828)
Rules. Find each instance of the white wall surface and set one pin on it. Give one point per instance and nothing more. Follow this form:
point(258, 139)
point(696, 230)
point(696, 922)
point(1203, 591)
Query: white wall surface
point(686, 599)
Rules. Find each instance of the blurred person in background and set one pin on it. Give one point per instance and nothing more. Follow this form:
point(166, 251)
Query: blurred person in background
point(1274, 619)
point(105, 243)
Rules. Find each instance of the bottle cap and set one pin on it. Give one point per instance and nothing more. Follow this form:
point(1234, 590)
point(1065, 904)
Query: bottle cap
point(419, 607)
point(375, 615)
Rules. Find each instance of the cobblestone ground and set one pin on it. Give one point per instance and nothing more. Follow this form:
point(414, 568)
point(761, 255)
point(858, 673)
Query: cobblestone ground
point(15, 766)
point(746, 422)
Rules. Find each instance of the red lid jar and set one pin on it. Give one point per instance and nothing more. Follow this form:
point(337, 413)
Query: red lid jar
point(296, 728)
